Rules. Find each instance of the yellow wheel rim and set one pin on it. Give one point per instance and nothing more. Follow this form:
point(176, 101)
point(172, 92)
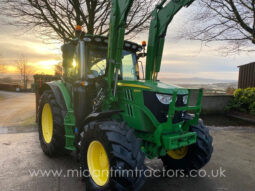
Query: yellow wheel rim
point(47, 123)
point(98, 163)
point(178, 153)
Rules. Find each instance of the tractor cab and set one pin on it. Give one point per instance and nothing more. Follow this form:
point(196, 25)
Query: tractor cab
point(85, 71)
point(87, 59)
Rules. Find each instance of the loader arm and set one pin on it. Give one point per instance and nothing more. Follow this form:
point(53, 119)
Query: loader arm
point(119, 13)
point(161, 18)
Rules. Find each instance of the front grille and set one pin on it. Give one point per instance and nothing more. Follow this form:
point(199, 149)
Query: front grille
point(159, 110)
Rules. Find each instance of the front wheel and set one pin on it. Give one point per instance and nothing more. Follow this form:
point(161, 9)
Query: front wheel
point(111, 158)
point(192, 157)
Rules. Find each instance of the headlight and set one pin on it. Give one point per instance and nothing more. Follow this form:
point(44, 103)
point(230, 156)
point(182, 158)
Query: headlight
point(134, 46)
point(185, 99)
point(87, 39)
point(98, 39)
point(165, 99)
point(127, 45)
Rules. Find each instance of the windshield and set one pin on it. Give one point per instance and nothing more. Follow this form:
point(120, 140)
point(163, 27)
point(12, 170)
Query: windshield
point(97, 63)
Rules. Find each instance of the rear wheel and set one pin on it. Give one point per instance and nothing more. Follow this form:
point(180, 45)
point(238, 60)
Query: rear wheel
point(110, 154)
point(51, 125)
point(193, 157)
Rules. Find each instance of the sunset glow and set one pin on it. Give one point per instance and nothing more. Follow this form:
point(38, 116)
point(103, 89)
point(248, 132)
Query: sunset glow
point(41, 67)
point(46, 67)
point(11, 69)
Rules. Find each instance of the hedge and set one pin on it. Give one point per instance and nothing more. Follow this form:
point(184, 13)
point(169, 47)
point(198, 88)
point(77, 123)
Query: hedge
point(244, 101)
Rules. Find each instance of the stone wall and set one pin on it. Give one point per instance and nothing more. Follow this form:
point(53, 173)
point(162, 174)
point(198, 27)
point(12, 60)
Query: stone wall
point(215, 104)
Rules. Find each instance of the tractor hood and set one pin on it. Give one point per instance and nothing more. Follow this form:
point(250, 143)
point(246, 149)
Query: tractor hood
point(155, 86)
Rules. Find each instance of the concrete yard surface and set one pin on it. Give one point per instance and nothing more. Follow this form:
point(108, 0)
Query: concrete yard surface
point(17, 112)
point(234, 156)
point(24, 167)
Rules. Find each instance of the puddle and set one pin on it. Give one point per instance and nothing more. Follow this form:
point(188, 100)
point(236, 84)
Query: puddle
point(3, 130)
point(22, 129)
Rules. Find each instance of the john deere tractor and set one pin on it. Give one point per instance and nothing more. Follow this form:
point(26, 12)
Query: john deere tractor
point(111, 116)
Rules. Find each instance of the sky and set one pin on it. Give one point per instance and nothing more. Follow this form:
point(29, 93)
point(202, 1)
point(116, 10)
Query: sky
point(181, 58)
point(16, 44)
point(189, 59)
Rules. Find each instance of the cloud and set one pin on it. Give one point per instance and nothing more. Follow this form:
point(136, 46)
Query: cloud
point(11, 48)
point(181, 58)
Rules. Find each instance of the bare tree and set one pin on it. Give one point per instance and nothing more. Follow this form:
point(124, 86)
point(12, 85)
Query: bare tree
point(56, 19)
point(58, 69)
point(24, 70)
point(231, 21)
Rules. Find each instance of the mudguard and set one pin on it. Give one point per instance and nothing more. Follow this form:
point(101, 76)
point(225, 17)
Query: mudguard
point(57, 93)
point(99, 116)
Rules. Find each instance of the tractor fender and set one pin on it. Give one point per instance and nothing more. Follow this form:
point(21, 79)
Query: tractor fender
point(93, 117)
point(98, 116)
point(57, 93)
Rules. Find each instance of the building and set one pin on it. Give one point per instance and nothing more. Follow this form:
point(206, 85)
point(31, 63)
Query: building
point(246, 75)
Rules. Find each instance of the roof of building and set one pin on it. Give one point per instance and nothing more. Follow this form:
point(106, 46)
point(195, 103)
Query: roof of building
point(246, 64)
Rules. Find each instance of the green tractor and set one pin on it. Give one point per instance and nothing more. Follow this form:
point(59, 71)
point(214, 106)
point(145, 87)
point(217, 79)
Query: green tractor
point(113, 118)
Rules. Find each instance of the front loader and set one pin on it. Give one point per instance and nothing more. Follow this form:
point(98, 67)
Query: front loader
point(111, 117)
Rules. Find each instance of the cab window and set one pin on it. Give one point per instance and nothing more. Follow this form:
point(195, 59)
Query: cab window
point(128, 69)
point(98, 63)
point(99, 68)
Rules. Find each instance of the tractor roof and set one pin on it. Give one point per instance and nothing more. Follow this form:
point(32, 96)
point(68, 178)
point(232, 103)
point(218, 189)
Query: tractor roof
point(103, 41)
